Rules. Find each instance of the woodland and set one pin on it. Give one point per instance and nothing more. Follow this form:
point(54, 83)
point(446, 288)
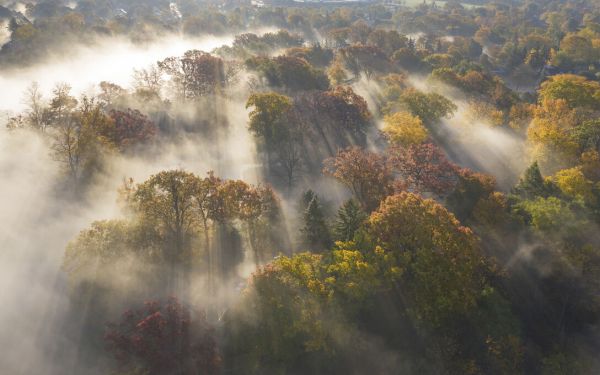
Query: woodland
point(367, 187)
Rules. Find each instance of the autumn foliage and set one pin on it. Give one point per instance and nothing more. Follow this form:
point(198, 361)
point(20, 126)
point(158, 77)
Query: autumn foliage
point(164, 338)
point(425, 168)
point(366, 174)
point(131, 127)
point(439, 259)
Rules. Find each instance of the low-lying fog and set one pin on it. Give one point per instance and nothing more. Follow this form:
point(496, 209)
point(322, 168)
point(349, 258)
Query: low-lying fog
point(110, 59)
point(483, 147)
point(36, 224)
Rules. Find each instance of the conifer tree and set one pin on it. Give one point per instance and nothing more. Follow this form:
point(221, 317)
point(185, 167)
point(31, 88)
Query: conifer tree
point(532, 184)
point(315, 234)
point(349, 218)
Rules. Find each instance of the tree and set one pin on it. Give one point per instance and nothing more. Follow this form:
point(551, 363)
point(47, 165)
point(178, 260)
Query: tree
point(170, 213)
point(577, 91)
point(237, 200)
point(195, 74)
point(425, 168)
point(249, 43)
point(78, 136)
point(590, 165)
point(532, 185)
point(573, 183)
point(112, 260)
point(407, 59)
point(316, 54)
point(257, 208)
point(553, 134)
point(477, 84)
point(149, 79)
point(294, 316)
point(447, 76)
point(274, 120)
point(536, 58)
point(37, 111)
point(166, 203)
point(289, 152)
point(520, 116)
point(470, 190)
point(466, 48)
point(280, 323)
point(206, 198)
point(366, 174)
point(315, 233)
point(388, 40)
point(438, 259)
point(430, 108)
point(207, 21)
point(106, 246)
point(24, 33)
point(359, 32)
point(293, 73)
point(365, 59)
point(343, 107)
point(270, 117)
point(337, 73)
point(164, 338)
point(131, 127)
point(349, 219)
point(265, 224)
point(394, 86)
point(485, 112)
point(493, 212)
point(549, 215)
point(339, 117)
point(587, 135)
point(110, 92)
point(404, 129)
point(61, 104)
point(578, 48)
point(440, 60)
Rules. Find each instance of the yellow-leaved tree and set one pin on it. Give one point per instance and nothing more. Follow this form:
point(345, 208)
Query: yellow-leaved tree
point(572, 182)
point(404, 129)
point(440, 259)
point(548, 134)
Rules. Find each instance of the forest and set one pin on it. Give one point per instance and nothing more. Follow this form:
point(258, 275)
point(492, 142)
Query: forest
point(285, 187)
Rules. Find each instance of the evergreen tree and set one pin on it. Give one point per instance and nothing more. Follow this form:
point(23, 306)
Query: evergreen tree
point(349, 218)
point(533, 185)
point(315, 234)
point(13, 25)
point(305, 200)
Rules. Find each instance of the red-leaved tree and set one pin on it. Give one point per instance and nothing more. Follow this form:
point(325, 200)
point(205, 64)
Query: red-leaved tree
point(131, 127)
point(163, 339)
point(365, 173)
point(424, 168)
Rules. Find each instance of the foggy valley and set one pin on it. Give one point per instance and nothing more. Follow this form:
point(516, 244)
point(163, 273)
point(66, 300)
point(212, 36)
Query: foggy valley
point(299, 187)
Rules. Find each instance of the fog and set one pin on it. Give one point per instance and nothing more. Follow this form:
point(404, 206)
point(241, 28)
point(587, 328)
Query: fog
point(35, 229)
point(4, 33)
point(38, 220)
point(473, 142)
point(37, 223)
point(110, 59)
point(42, 328)
point(483, 147)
